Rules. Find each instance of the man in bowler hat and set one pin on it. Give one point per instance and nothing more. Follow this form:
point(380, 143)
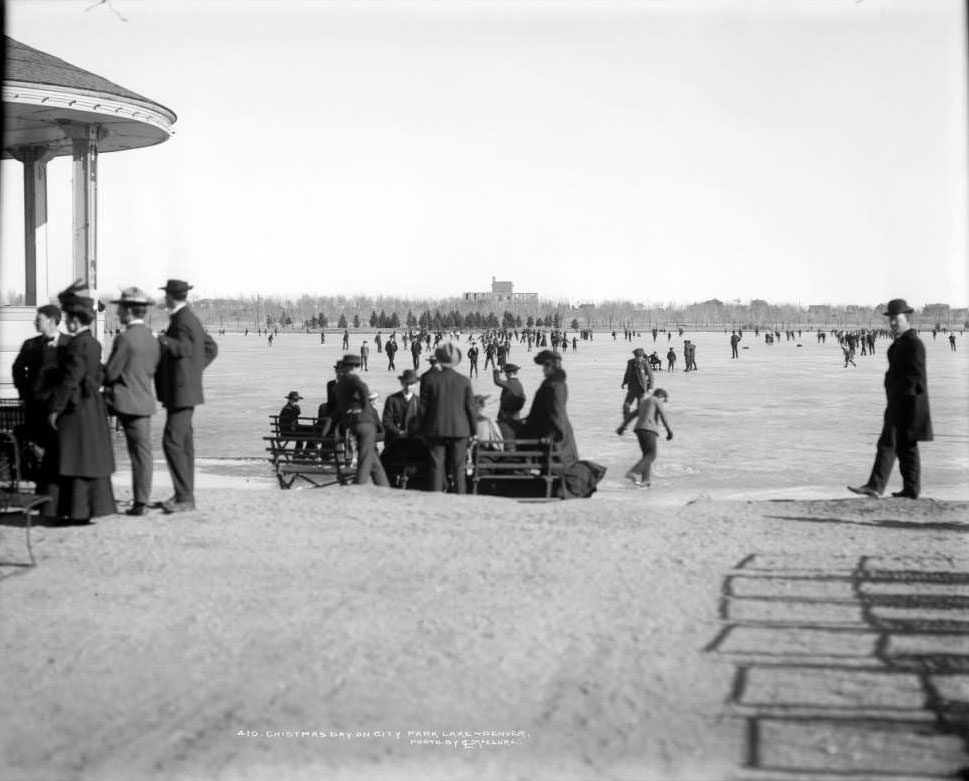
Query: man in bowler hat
point(128, 381)
point(907, 421)
point(448, 414)
point(185, 352)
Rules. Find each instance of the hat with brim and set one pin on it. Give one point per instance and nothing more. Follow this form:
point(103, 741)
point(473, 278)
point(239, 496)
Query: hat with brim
point(293, 396)
point(177, 288)
point(448, 355)
point(133, 296)
point(409, 377)
point(511, 368)
point(898, 306)
point(546, 356)
point(351, 360)
point(639, 352)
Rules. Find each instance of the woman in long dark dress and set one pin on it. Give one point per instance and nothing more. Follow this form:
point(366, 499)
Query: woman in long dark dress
point(79, 417)
point(548, 416)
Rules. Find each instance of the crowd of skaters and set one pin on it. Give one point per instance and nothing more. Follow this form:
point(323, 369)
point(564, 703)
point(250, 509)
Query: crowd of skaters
point(58, 380)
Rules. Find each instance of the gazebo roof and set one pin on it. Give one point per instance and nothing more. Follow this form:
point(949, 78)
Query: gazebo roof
point(44, 96)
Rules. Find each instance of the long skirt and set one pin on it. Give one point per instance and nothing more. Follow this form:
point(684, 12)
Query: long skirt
point(81, 498)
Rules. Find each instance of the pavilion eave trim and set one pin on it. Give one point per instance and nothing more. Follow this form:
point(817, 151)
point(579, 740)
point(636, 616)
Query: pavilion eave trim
point(94, 102)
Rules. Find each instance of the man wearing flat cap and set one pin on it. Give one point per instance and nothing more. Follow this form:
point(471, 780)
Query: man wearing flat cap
point(448, 416)
point(512, 399)
point(128, 380)
point(907, 421)
point(185, 352)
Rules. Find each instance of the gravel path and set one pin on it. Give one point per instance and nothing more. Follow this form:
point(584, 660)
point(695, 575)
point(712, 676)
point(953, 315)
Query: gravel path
point(579, 632)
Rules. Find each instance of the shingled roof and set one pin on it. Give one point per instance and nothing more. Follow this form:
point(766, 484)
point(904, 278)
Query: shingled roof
point(32, 66)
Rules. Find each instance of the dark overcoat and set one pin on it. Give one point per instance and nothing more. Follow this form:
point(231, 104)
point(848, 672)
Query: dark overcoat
point(446, 404)
point(548, 416)
point(83, 437)
point(907, 388)
point(185, 351)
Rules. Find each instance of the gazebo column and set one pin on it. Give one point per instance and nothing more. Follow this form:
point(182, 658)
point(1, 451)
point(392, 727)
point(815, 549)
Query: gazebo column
point(35, 159)
point(85, 186)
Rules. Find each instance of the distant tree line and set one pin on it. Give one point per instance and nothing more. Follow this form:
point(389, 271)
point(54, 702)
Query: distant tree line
point(389, 313)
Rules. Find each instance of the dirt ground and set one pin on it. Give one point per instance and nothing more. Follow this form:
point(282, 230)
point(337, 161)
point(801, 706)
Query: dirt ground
point(364, 633)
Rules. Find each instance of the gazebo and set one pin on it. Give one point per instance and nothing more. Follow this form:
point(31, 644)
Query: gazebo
point(51, 109)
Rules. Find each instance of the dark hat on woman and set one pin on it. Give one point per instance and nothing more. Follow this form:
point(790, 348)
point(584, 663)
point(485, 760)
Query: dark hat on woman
point(511, 368)
point(898, 306)
point(448, 355)
point(548, 355)
point(639, 352)
point(76, 298)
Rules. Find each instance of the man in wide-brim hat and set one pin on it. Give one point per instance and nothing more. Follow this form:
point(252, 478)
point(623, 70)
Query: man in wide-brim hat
point(907, 421)
point(186, 349)
point(128, 386)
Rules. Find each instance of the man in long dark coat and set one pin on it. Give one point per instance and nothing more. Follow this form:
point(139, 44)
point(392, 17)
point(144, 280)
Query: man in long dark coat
point(448, 414)
point(185, 352)
point(907, 421)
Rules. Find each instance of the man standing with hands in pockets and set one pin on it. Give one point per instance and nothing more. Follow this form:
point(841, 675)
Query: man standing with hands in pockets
point(128, 379)
point(185, 351)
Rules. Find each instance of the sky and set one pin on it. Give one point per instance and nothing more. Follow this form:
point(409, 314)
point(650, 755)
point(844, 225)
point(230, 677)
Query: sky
point(809, 152)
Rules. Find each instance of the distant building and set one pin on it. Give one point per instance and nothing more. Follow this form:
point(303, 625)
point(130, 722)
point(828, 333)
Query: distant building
point(959, 317)
point(501, 292)
point(935, 313)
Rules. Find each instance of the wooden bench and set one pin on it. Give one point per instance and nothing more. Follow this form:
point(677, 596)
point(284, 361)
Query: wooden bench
point(307, 455)
point(532, 470)
point(14, 501)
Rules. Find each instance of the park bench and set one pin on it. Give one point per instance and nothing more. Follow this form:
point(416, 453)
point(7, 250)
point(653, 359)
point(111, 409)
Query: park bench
point(13, 500)
point(532, 470)
point(307, 455)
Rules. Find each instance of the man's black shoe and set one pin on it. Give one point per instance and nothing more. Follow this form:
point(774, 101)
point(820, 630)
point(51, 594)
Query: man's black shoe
point(904, 495)
point(864, 490)
point(138, 508)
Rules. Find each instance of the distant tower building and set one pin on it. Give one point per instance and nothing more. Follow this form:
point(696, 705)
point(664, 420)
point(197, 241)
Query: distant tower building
point(501, 292)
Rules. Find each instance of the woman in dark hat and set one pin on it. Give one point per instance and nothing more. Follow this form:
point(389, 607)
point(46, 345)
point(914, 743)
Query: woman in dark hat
point(548, 416)
point(79, 417)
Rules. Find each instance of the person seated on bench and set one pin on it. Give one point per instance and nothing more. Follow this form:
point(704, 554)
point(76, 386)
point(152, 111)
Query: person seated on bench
point(289, 419)
point(548, 417)
point(401, 413)
point(485, 430)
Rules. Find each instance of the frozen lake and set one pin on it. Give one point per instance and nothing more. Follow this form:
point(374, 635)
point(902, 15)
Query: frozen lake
point(781, 421)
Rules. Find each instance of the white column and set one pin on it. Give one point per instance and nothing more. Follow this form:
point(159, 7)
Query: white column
point(85, 185)
point(35, 159)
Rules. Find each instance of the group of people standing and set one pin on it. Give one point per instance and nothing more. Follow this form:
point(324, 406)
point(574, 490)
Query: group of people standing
point(438, 414)
point(68, 395)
